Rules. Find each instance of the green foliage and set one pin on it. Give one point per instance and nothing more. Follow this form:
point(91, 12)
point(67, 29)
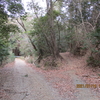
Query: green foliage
point(76, 29)
point(24, 17)
point(5, 30)
point(80, 35)
point(3, 34)
point(41, 30)
point(15, 8)
point(3, 50)
point(92, 61)
point(56, 14)
point(10, 57)
point(96, 34)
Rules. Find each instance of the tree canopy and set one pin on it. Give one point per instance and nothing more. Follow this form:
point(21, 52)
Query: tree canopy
point(66, 25)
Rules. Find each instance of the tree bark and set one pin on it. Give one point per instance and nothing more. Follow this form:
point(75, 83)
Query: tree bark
point(52, 31)
point(23, 26)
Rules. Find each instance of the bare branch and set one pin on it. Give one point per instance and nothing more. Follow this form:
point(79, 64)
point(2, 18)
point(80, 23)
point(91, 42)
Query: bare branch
point(97, 19)
point(89, 24)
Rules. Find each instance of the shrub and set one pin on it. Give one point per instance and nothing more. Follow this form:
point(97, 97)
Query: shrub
point(94, 59)
point(93, 62)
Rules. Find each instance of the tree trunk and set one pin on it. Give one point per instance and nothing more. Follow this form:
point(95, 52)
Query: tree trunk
point(23, 26)
point(52, 31)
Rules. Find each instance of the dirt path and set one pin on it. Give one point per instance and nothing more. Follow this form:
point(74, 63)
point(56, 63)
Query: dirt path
point(21, 82)
point(80, 93)
point(66, 78)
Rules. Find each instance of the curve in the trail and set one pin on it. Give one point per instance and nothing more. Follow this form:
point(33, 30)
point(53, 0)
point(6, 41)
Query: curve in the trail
point(21, 82)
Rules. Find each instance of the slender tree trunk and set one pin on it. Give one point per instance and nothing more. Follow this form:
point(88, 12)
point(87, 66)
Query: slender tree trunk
point(59, 36)
point(23, 26)
point(52, 31)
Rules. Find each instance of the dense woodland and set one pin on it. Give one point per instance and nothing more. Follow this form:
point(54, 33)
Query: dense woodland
point(62, 26)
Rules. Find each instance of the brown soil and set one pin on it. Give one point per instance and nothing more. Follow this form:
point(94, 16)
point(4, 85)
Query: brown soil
point(65, 78)
point(18, 79)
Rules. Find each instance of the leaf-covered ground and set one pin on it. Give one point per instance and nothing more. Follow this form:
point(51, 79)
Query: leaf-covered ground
point(63, 82)
point(19, 81)
point(64, 79)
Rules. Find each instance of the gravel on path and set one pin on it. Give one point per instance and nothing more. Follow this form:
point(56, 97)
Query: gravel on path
point(24, 83)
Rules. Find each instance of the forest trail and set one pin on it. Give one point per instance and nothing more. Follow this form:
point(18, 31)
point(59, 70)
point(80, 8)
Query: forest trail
point(66, 78)
point(21, 82)
point(73, 64)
